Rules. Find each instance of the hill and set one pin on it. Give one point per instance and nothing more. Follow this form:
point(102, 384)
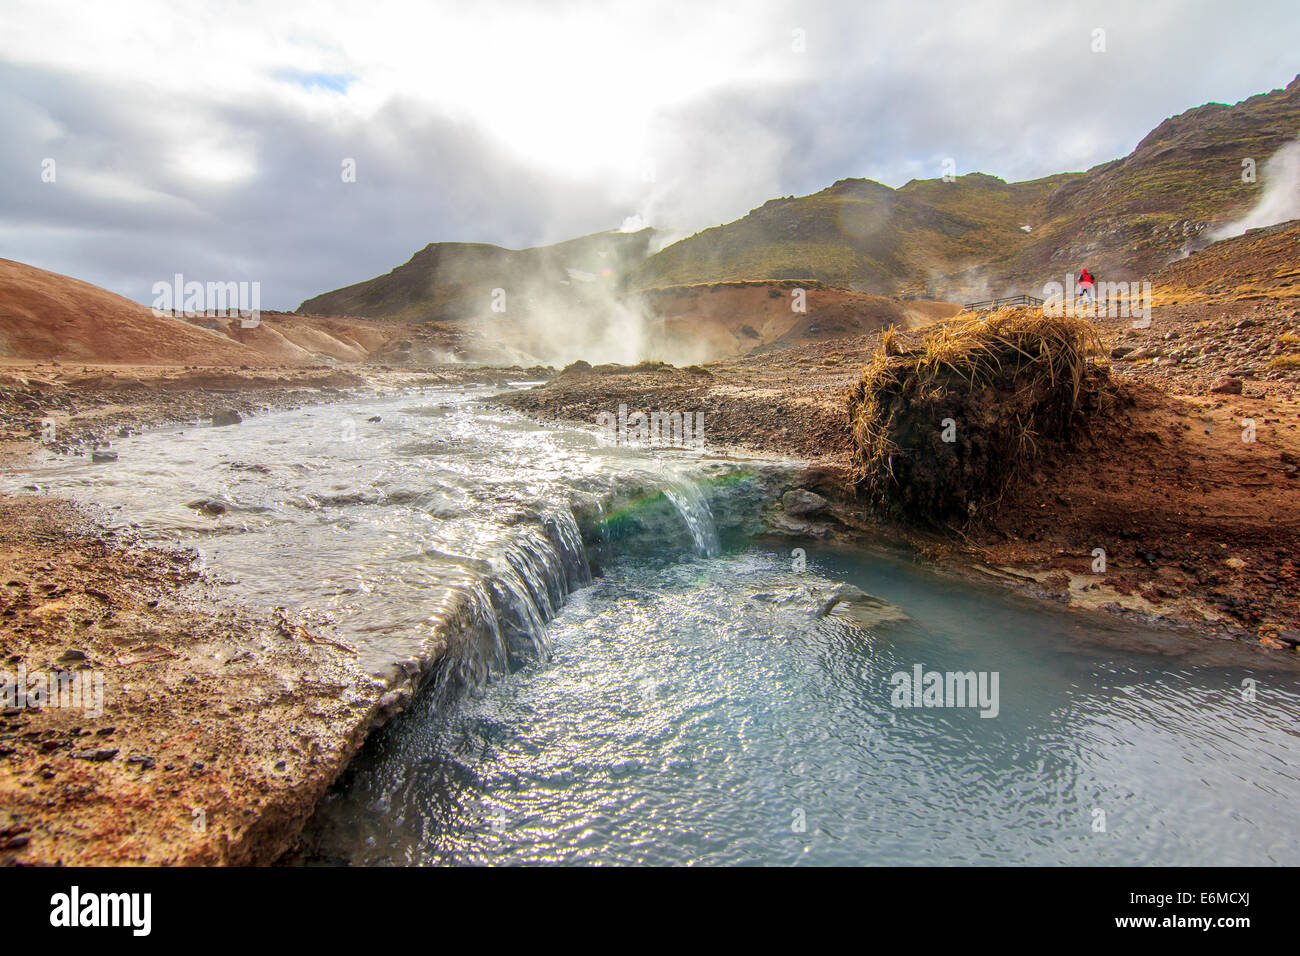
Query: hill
point(1262, 263)
point(451, 281)
point(964, 238)
point(45, 315)
point(728, 319)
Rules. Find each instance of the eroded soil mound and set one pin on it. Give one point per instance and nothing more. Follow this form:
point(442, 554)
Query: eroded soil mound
point(939, 430)
point(44, 315)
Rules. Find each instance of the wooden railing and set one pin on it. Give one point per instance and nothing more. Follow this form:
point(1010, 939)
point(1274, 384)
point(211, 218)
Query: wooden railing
point(990, 304)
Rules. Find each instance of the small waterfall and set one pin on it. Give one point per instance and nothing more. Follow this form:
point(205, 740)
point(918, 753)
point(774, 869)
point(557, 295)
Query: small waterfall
point(490, 653)
point(695, 511)
point(531, 576)
point(565, 535)
point(533, 573)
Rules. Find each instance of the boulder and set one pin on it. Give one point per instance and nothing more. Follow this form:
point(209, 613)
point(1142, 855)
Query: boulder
point(801, 501)
point(1228, 385)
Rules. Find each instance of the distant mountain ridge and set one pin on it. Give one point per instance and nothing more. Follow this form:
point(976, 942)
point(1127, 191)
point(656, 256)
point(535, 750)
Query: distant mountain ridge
point(964, 239)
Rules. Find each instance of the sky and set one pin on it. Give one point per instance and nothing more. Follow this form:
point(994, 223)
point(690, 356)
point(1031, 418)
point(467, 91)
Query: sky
point(307, 146)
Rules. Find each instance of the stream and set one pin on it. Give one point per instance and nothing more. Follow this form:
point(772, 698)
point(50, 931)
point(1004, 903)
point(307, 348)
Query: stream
point(620, 667)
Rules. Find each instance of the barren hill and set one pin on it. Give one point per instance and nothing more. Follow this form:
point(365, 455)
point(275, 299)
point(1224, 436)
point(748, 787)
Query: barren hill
point(1262, 263)
point(45, 315)
point(729, 319)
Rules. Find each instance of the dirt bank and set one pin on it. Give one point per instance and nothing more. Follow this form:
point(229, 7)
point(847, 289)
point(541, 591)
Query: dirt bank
point(215, 734)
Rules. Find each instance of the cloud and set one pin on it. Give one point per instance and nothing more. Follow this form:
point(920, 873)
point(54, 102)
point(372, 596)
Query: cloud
point(210, 139)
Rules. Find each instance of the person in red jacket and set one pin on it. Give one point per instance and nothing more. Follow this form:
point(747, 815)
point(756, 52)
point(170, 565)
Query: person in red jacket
point(1085, 285)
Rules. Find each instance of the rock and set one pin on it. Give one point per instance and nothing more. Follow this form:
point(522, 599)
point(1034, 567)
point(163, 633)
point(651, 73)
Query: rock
point(864, 609)
point(209, 506)
point(1227, 386)
point(1058, 581)
point(1119, 351)
point(73, 654)
point(394, 701)
point(374, 418)
point(1146, 352)
point(98, 756)
point(227, 416)
point(103, 454)
point(1289, 636)
point(801, 501)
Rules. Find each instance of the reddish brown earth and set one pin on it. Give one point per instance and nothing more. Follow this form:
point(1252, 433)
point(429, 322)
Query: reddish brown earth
point(44, 315)
point(218, 733)
point(48, 317)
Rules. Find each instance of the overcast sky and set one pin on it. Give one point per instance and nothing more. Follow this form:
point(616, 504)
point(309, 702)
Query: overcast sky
point(209, 138)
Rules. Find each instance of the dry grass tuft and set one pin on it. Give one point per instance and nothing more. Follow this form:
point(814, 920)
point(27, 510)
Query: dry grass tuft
point(939, 430)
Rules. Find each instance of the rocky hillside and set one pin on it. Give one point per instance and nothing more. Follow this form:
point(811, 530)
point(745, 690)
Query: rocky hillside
point(978, 236)
point(1263, 263)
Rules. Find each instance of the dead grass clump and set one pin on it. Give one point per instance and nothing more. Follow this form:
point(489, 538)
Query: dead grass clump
point(939, 430)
